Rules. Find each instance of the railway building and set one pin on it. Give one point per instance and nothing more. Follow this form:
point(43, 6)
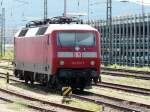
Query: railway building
point(130, 40)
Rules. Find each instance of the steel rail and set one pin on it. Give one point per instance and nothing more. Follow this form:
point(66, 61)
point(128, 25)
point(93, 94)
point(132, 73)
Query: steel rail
point(27, 105)
point(5, 60)
point(119, 74)
point(6, 67)
point(12, 78)
point(126, 70)
point(126, 88)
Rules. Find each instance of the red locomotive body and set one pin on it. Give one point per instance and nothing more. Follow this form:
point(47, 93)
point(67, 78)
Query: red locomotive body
point(58, 55)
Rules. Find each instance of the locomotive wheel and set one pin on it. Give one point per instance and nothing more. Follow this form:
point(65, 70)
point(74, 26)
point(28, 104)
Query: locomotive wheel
point(81, 89)
point(31, 79)
point(95, 79)
point(44, 83)
point(16, 73)
point(99, 79)
point(54, 83)
point(26, 81)
point(26, 78)
point(58, 84)
point(20, 74)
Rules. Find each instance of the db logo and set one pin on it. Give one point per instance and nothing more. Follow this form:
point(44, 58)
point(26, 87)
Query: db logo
point(77, 54)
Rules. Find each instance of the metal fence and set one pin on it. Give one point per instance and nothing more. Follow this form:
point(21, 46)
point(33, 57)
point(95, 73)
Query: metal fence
point(2, 32)
point(130, 40)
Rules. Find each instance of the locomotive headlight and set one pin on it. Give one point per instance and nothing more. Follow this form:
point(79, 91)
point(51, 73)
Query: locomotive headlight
point(92, 62)
point(61, 62)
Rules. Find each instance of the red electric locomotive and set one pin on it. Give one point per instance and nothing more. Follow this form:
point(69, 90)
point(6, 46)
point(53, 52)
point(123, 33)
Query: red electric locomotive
point(58, 53)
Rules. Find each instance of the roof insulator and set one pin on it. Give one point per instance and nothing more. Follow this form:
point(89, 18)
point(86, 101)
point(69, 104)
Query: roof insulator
point(55, 20)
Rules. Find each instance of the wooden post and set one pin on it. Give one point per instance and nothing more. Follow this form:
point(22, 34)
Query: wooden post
point(66, 92)
point(7, 77)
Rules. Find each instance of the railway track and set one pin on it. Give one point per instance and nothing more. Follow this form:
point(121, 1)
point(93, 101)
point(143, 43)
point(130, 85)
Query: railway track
point(67, 108)
point(35, 107)
point(137, 74)
point(111, 101)
point(119, 74)
point(115, 103)
point(47, 104)
point(12, 78)
point(7, 60)
point(119, 105)
point(126, 88)
point(127, 70)
point(6, 67)
point(131, 89)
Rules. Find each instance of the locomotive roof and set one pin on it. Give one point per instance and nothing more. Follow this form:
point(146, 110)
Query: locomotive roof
point(68, 27)
point(32, 31)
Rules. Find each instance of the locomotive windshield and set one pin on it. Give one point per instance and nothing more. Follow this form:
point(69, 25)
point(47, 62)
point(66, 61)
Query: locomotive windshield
point(76, 39)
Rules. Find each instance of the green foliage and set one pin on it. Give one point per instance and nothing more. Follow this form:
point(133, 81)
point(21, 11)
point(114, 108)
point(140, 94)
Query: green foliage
point(17, 107)
point(85, 105)
point(8, 55)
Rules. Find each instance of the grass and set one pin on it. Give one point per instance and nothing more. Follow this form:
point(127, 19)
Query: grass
point(8, 55)
point(3, 83)
point(145, 68)
point(127, 81)
point(84, 105)
point(17, 107)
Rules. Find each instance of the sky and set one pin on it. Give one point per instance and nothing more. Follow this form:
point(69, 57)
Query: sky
point(146, 2)
point(19, 12)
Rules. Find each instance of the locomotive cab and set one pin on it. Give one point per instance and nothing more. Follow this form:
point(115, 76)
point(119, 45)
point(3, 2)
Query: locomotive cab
point(77, 55)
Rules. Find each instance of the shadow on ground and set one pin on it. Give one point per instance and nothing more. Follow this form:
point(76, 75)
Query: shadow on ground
point(37, 88)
